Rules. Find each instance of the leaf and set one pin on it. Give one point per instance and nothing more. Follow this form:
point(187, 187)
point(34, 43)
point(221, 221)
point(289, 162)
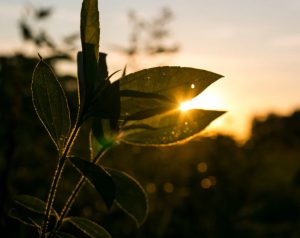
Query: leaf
point(148, 113)
point(89, 25)
point(106, 104)
point(92, 79)
point(64, 235)
point(88, 59)
point(33, 204)
point(87, 75)
point(102, 68)
point(154, 87)
point(98, 177)
point(89, 227)
point(173, 82)
point(26, 217)
point(102, 133)
point(30, 211)
point(169, 128)
point(130, 196)
point(81, 84)
point(51, 104)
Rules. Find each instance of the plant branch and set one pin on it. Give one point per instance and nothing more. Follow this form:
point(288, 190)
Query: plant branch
point(56, 178)
point(74, 194)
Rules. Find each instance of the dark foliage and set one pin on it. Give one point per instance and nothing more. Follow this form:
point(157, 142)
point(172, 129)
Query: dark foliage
point(211, 187)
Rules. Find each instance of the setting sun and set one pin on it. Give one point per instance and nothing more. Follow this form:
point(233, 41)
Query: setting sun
point(206, 100)
point(188, 105)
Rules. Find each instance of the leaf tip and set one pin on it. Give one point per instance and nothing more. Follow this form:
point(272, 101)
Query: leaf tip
point(222, 112)
point(124, 71)
point(41, 58)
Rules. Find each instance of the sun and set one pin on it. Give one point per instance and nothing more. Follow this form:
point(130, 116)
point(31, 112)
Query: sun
point(206, 100)
point(188, 105)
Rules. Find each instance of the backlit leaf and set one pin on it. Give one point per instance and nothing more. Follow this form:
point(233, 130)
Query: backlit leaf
point(161, 86)
point(98, 177)
point(32, 203)
point(51, 104)
point(89, 227)
point(130, 196)
point(30, 211)
point(88, 58)
point(89, 25)
point(26, 216)
point(169, 128)
point(149, 112)
point(29, 217)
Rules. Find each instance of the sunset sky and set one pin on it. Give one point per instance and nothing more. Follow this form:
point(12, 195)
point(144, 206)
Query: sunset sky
point(255, 44)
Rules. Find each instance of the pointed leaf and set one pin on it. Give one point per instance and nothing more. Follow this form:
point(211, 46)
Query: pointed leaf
point(89, 227)
point(130, 196)
point(33, 204)
point(30, 211)
point(98, 177)
point(169, 128)
point(173, 84)
point(179, 83)
point(51, 104)
point(26, 216)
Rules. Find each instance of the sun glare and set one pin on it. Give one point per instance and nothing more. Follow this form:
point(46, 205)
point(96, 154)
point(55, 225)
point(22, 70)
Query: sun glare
point(203, 101)
point(208, 100)
point(187, 105)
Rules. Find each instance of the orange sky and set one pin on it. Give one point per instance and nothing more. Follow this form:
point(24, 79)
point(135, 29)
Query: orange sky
point(255, 44)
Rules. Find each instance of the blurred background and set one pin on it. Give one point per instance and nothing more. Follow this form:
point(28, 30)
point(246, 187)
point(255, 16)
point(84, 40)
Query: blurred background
point(240, 178)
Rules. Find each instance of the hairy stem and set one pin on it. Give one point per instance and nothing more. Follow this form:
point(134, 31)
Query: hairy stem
point(56, 178)
point(74, 194)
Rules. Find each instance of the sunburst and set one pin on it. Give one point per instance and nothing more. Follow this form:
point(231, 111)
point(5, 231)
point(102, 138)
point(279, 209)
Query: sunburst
point(205, 100)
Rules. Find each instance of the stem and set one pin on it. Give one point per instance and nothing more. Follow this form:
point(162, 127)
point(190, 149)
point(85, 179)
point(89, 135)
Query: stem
point(74, 194)
point(56, 178)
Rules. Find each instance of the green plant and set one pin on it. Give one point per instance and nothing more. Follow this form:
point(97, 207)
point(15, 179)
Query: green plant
point(141, 108)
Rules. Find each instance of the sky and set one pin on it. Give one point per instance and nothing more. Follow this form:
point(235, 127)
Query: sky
point(255, 44)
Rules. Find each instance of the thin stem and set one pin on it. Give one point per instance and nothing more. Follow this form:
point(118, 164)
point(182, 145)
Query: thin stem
point(74, 194)
point(56, 178)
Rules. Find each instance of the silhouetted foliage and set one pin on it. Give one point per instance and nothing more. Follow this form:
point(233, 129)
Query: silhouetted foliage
point(140, 108)
point(211, 187)
point(252, 189)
